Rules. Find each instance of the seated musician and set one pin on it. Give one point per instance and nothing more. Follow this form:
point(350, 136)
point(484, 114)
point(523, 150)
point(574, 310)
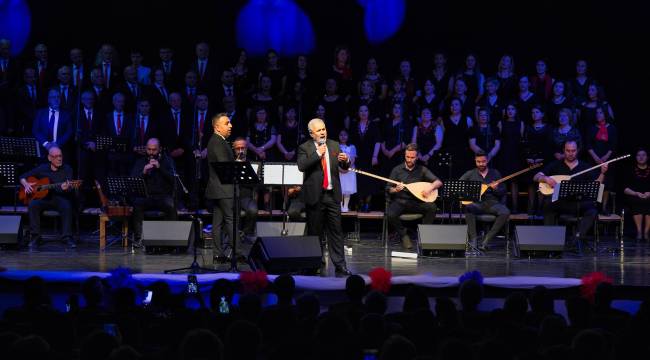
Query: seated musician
point(490, 201)
point(157, 170)
point(402, 201)
point(247, 198)
point(568, 166)
point(59, 198)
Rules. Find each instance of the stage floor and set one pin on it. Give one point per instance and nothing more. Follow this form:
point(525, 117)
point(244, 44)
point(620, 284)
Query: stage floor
point(630, 267)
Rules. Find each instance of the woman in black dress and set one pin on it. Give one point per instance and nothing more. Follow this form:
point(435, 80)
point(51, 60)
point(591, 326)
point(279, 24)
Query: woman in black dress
point(262, 137)
point(491, 101)
point(335, 108)
point(376, 79)
point(290, 136)
point(367, 97)
point(455, 142)
point(587, 110)
point(460, 92)
point(365, 135)
point(427, 99)
point(263, 99)
point(601, 144)
point(578, 86)
point(564, 132)
point(442, 80)
point(525, 98)
point(484, 137)
point(473, 78)
point(395, 136)
point(558, 101)
point(637, 194)
point(428, 134)
point(538, 149)
point(277, 74)
point(341, 72)
point(510, 160)
point(507, 79)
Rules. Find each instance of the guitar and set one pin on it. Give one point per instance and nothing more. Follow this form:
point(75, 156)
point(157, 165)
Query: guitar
point(485, 187)
point(546, 189)
point(417, 188)
point(41, 188)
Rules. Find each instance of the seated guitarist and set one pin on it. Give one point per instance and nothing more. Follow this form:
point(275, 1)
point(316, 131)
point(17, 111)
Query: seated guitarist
point(157, 170)
point(59, 198)
point(568, 166)
point(402, 201)
point(490, 201)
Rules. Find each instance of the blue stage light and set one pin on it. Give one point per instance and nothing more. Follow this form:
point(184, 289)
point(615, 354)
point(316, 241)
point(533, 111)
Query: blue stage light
point(274, 24)
point(383, 18)
point(15, 23)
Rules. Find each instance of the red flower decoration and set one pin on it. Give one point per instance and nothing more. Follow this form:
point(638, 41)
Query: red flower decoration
point(253, 282)
point(590, 282)
point(380, 279)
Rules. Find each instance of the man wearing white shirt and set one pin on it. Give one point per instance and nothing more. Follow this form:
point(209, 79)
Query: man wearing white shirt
point(52, 126)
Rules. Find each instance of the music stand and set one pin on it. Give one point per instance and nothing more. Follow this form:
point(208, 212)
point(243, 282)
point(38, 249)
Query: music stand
point(441, 159)
point(462, 190)
point(456, 191)
point(110, 143)
point(578, 191)
point(235, 173)
point(9, 180)
point(283, 174)
point(20, 147)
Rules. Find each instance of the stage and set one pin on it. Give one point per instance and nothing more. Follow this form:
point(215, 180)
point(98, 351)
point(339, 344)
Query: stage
point(628, 267)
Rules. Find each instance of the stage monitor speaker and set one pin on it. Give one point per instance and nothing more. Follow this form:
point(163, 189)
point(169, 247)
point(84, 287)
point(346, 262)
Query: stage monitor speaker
point(286, 254)
point(442, 237)
point(274, 228)
point(540, 238)
point(10, 229)
point(167, 233)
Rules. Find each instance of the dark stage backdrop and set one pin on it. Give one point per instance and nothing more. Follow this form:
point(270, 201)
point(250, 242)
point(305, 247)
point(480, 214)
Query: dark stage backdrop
point(611, 35)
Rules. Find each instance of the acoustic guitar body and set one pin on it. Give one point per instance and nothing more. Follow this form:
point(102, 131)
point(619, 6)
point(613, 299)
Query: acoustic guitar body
point(39, 191)
point(546, 189)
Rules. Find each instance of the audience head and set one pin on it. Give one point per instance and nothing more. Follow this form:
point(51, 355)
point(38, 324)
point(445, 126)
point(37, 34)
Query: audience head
point(93, 291)
point(97, 345)
point(397, 347)
point(284, 286)
point(470, 294)
point(243, 341)
point(376, 303)
point(34, 290)
point(541, 301)
point(201, 344)
point(355, 288)
point(415, 299)
point(308, 306)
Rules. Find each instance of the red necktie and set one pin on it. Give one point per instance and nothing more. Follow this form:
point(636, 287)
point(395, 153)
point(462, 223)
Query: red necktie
point(326, 175)
point(201, 123)
point(77, 81)
point(119, 123)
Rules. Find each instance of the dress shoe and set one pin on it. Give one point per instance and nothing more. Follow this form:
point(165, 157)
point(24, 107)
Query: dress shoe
point(342, 271)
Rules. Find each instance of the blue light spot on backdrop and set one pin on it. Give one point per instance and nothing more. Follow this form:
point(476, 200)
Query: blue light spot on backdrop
point(15, 23)
point(382, 18)
point(274, 24)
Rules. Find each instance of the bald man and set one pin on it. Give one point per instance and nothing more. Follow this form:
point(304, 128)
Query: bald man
point(59, 198)
point(319, 159)
point(157, 171)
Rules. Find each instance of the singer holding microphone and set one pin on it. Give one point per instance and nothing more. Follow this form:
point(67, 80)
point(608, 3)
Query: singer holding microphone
point(319, 159)
point(157, 170)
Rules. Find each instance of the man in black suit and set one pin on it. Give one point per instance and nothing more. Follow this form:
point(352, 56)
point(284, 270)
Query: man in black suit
point(119, 124)
point(52, 125)
point(172, 70)
point(157, 170)
point(80, 72)
point(91, 123)
point(28, 98)
point(205, 69)
point(107, 66)
point(66, 88)
point(222, 195)
point(146, 127)
point(103, 100)
point(319, 160)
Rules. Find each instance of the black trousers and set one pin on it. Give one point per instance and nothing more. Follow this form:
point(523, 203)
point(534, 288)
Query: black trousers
point(59, 203)
point(400, 206)
point(222, 216)
point(492, 207)
point(249, 206)
point(155, 202)
point(324, 217)
point(588, 213)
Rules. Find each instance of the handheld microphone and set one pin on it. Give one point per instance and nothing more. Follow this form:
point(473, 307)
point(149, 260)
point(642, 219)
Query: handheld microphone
point(322, 141)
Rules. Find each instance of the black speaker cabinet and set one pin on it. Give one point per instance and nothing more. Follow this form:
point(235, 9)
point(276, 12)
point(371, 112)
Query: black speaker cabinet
point(10, 229)
point(540, 238)
point(286, 254)
point(442, 237)
point(167, 233)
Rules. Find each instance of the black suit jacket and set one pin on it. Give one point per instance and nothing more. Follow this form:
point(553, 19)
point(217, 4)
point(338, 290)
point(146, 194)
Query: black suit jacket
point(88, 129)
point(128, 126)
point(170, 138)
point(64, 128)
point(24, 109)
point(210, 74)
point(218, 150)
point(309, 164)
